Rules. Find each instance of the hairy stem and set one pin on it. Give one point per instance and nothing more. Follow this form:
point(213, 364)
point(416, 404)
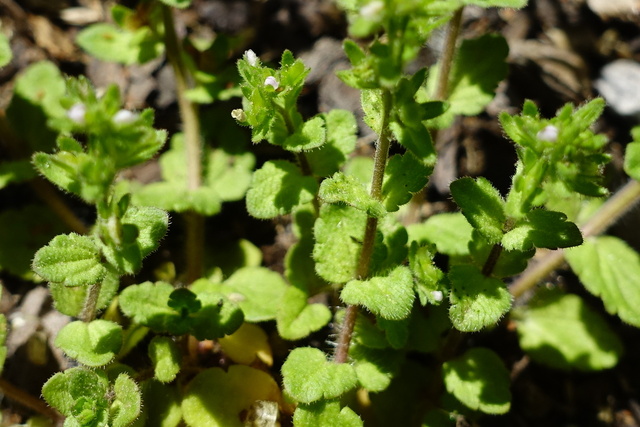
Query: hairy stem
point(379, 164)
point(193, 143)
point(90, 303)
point(608, 214)
point(492, 260)
point(442, 86)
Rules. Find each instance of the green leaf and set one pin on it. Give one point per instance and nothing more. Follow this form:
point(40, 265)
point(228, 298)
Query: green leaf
point(161, 405)
point(296, 318)
point(509, 263)
point(610, 269)
point(13, 172)
point(80, 394)
point(277, 188)
point(70, 259)
point(450, 232)
point(5, 50)
point(405, 175)
point(312, 134)
point(479, 66)
point(180, 4)
point(341, 188)
point(428, 277)
point(543, 229)
point(339, 232)
point(93, 344)
point(513, 4)
point(165, 357)
point(215, 398)
point(36, 99)
point(256, 290)
point(476, 301)
point(482, 206)
point(309, 377)
point(71, 300)
point(632, 155)
point(341, 140)
point(563, 332)
point(112, 44)
point(125, 408)
point(480, 380)
point(151, 223)
point(149, 305)
point(390, 297)
point(325, 414)
point(375, 368)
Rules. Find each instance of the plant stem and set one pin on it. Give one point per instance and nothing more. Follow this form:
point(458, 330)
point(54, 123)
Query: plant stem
point(90, 303)
point(604, 217)
point(492, 259)
point(442, 86)
point(27, 400)
point(193, 143)
point(379, 164)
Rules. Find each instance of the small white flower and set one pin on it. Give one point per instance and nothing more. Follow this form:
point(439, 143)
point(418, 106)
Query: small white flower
point(251, 57)
point(549, 133)
point(271, 81)
point(77, 112)
point(437, 295)
point(239, 115)
point(372, 10)
point(124, 117)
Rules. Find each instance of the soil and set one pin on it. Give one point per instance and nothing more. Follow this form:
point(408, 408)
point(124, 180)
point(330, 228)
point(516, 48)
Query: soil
point(557, 51)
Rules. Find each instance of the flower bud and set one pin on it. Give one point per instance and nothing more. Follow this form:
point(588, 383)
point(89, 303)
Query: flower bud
point(271, 81)
point(77, 112)
point(437, 295)
point(372, 10)
point(251, 57)
point(549, 133)
point(124, 117)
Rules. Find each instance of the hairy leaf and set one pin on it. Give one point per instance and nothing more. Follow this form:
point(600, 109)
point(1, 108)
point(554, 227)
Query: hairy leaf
point(476, 301)
point(325, 413)
point(165, 357)
point(309, 377)
point(93, 344)
point(563, 332)
point(341, 188)
point(125, 408)
point(70, 259)
point(481, 205)
point(296, 318)
point(390, 297)
point(450, 232)
point(610, 269)
point(480, 380)
point(277, 188)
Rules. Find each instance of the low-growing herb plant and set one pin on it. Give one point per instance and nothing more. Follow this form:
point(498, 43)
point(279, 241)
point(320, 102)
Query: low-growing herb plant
point(359, 275)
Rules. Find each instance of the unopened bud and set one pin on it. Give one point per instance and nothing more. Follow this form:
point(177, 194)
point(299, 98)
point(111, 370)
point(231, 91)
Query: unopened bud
point(251, 57)
point(124, 117)
point(77, 112)
point(372, 10)
point(437, 295)
point(271, 81)
point(549, 133)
